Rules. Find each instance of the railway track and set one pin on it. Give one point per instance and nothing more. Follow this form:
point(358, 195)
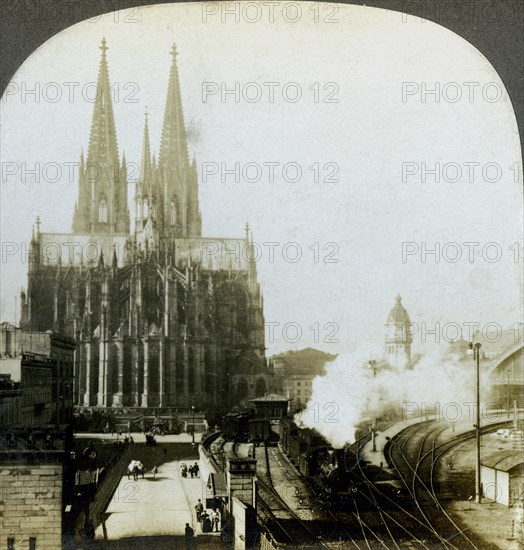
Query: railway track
point(400, 533)
point(352, 530)
point(415, 453)
point(285, 524)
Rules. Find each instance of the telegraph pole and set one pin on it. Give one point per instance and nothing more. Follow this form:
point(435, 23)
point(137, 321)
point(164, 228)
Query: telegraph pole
point(373, 365)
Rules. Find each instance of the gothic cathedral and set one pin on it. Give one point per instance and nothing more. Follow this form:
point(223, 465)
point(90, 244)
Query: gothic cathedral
point(162, 316)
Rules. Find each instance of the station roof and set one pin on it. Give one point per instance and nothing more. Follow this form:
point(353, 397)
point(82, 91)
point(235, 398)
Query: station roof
point(271, 397)
point(504, 461)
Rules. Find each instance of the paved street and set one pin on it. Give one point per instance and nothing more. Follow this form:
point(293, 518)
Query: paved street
point(154, 507)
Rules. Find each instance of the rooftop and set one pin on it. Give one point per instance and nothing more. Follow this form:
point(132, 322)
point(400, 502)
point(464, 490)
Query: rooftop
point(308, 361)
point(398, 313)
point(271, 397)
point(504, 460)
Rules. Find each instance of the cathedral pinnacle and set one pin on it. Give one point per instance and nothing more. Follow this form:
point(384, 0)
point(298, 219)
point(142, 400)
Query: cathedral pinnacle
point(104, 47)
point(173, 145)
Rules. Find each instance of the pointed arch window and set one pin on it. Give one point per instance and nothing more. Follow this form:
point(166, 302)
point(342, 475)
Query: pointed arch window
point(102, 210)
point(145, 207)
point(173, 212)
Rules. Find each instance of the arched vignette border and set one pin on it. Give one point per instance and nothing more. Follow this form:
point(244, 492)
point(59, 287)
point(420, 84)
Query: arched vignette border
point(494, 27)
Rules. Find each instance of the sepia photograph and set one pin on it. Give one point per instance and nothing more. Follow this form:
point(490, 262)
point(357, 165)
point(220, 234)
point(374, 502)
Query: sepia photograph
point(261, 283)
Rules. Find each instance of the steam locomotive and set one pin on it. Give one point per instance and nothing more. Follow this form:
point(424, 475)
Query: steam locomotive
point(332, 472)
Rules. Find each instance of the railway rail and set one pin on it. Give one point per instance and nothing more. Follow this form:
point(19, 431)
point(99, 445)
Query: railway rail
point(414, 453)
point(329, 526)
point(375, 517)
point(293, 529)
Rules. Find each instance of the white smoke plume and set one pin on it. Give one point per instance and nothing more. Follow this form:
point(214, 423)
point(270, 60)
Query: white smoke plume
point(349, 393)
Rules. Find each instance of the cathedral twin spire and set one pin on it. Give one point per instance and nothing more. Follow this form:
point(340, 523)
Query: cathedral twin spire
point(167, 193)
point(101, 206)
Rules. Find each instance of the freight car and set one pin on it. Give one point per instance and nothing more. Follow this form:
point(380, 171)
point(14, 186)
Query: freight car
point(245, 426)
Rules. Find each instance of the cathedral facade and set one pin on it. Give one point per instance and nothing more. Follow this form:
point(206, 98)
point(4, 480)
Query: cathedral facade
point(162, 316)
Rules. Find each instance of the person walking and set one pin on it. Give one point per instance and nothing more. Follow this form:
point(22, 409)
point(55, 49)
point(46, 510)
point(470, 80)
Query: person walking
point(154, 470)
point(195, 469)
point(199, 507)
point(189, 536)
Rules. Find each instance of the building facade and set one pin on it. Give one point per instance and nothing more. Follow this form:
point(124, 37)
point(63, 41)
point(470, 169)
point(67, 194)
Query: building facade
point(36, 408)
point(39, 366)
point(295, 371)
point(161, 315)
point(399, 337)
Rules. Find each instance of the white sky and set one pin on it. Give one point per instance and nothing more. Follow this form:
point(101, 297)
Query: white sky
point(369, 133)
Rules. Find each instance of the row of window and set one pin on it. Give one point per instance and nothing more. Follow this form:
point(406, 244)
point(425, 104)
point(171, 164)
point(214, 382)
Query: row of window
point(11, 543)
point(102, 211)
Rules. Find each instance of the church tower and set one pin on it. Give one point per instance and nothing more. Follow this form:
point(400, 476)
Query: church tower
point(102, 207)
point(179, 213)
point(157, 322)
point(398, 336)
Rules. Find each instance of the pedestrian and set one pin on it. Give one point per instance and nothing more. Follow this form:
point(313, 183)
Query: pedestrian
point(215, 520)
point(206, 522)
point(154, 470)
point(191, 471)
point(195, 469)
point(199, 507)
point(189, 537)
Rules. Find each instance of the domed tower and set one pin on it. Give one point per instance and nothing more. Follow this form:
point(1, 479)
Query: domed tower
point(398, 336)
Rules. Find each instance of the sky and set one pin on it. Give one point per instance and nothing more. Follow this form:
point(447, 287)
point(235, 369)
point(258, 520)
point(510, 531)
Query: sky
point(366, 134)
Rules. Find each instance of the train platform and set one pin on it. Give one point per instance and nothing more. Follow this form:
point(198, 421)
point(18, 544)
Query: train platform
point(377, 458)
point(158, 507)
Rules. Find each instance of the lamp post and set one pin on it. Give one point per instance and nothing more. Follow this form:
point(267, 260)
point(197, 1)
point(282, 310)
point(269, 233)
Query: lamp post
point(373, 365)
point(193, 426)
point(474, 349)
